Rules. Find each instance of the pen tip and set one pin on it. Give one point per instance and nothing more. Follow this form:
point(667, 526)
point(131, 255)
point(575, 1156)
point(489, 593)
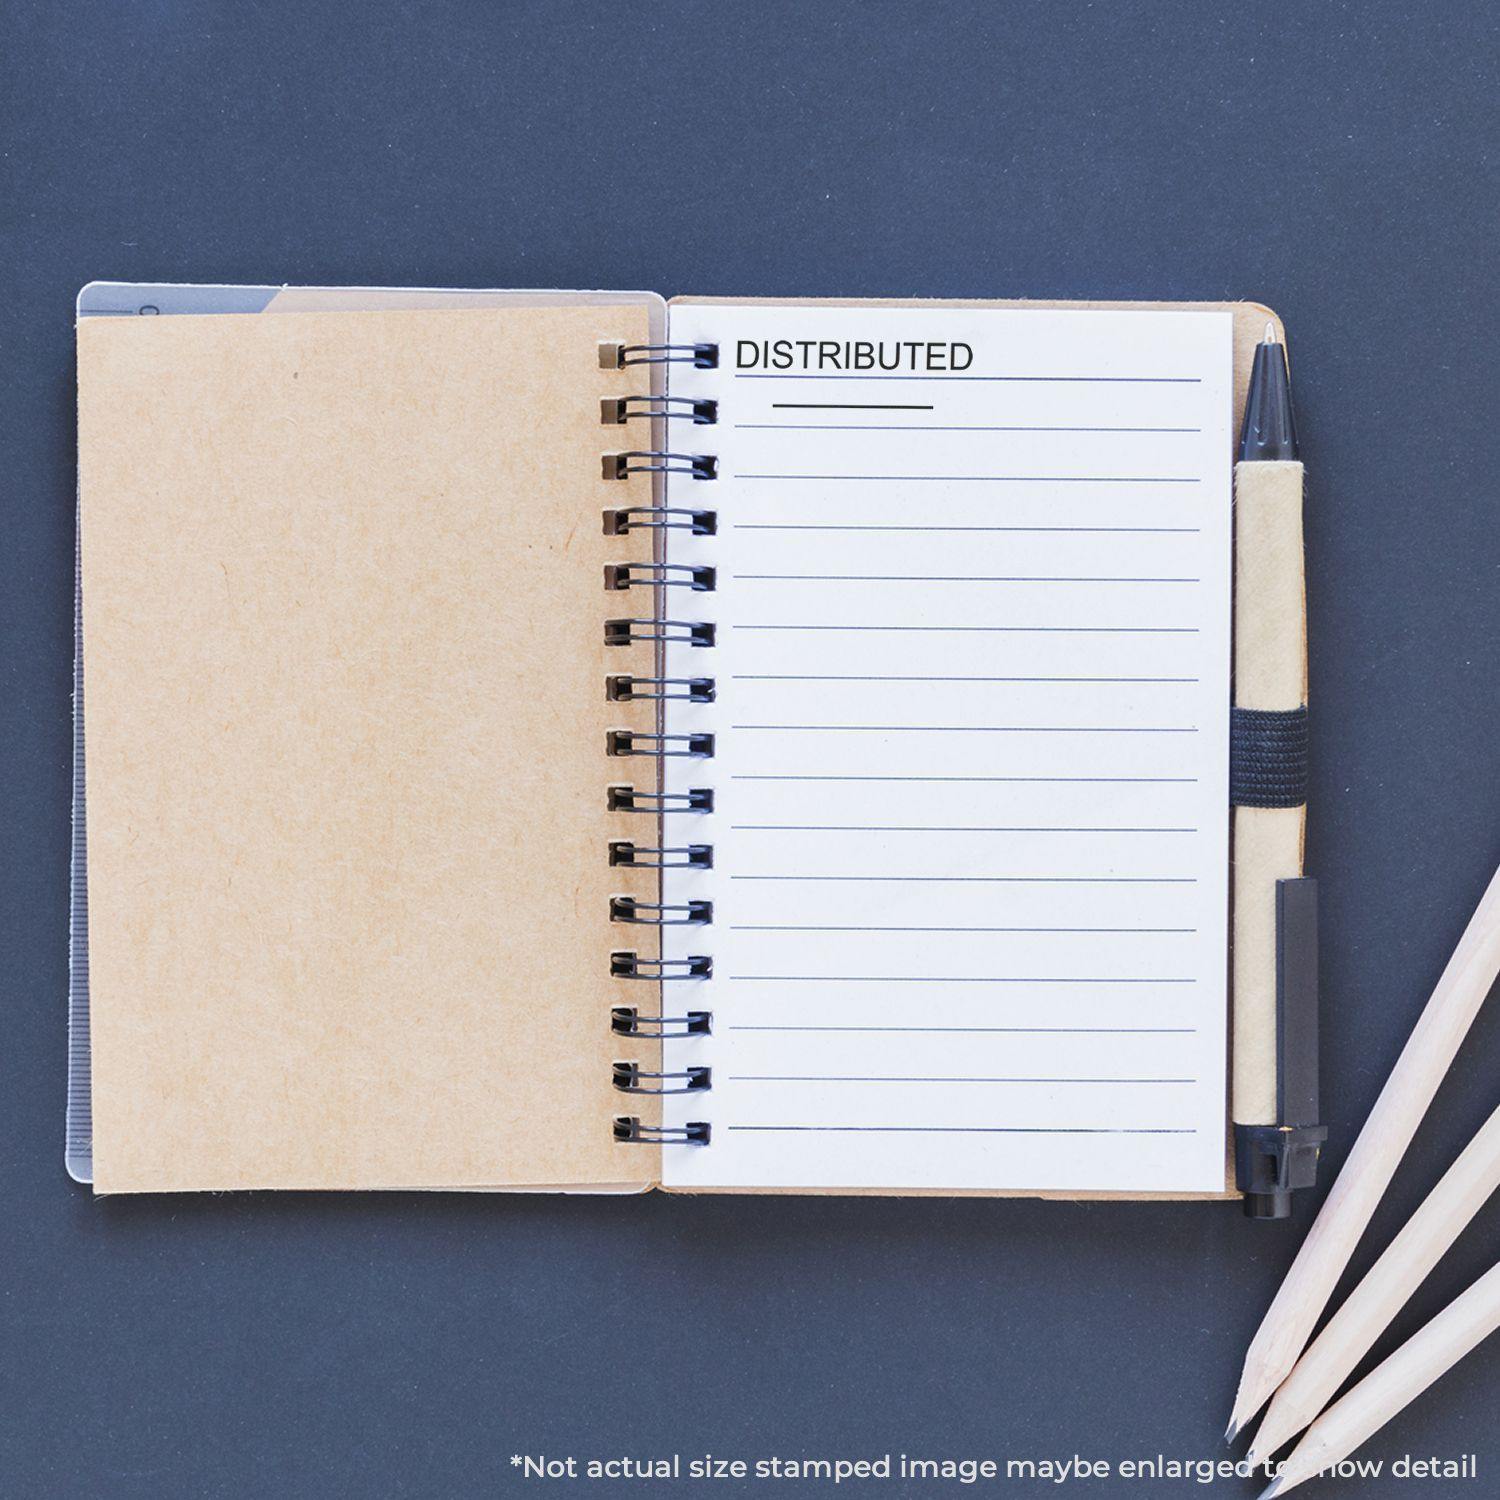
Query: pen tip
point(1269, 337)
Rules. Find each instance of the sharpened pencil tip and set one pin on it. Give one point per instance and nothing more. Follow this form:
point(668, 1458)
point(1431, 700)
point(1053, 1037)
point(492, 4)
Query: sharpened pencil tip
point(1271, 1489)
point(1232, 1431)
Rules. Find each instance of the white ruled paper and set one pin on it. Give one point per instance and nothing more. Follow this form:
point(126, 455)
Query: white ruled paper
point(971, 755)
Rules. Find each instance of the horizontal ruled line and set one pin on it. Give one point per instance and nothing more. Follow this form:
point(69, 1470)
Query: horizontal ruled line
point(968, 1129)
point(951, 578)
point(876, 1077)
point(884, 677)
point(1110, 530)
point(996, 629)
point(983, 478)
point(885, 927)
point(925, 1078)
point(1026, 780)
point(845, 406)
point(997, 1030)
point(929, 426)
point(942, 979)
point(936, 828)
point(967, 728)
point(994, 879)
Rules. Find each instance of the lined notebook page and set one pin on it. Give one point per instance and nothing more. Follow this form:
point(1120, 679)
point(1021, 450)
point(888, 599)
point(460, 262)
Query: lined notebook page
point(970, 830)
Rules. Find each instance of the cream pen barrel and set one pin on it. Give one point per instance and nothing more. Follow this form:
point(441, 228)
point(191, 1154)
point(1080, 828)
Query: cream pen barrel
point(1275, 1061)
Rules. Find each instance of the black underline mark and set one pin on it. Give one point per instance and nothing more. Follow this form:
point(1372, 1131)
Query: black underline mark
point(848, 406)
point(933, 828)
point(1091, 530)
point(879, 1078)
point(983, 478)
point(1001, 379)
point(1063, 780)
point(966, 728)
point(991, 879)
point(998, 1030)
point(930, 426)
point(944, 578)
point(774, 927)
point(883, 677)
point(966, 1129)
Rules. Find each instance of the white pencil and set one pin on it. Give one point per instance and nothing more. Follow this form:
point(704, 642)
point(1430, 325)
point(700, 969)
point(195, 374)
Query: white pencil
point(1428, 1353)
point(1463, 1191)
point(1398, 1111)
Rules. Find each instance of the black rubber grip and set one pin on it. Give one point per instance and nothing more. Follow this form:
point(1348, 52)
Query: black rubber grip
point(1268, 757)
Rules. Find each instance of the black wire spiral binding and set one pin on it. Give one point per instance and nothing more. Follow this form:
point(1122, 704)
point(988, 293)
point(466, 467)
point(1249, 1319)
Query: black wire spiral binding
point(628, 1075)
point(655, 575)
point(623, 522)
point(628, 909)
point(627, 964)
point(633, 632)
point(628, 855)
point(614, 356)
point(628, 799)
point(622, 688)
point(630, 1129)
point(660, 461)
point(659, 576)
point(626, 1020)
point(616, 411)
point(633, 742)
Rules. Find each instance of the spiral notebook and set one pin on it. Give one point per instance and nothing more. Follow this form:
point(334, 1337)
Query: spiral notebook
point(570, 741)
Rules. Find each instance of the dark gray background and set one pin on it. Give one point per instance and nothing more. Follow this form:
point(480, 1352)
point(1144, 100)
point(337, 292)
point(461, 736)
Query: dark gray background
point(1336, 161)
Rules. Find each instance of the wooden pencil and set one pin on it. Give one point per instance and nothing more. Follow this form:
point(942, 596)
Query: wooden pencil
point(1464, 1189)
point(1435, 1348)
point(1424, 1060)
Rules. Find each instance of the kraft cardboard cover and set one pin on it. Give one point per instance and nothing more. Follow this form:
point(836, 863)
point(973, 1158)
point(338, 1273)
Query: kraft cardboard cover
point(344, 748)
